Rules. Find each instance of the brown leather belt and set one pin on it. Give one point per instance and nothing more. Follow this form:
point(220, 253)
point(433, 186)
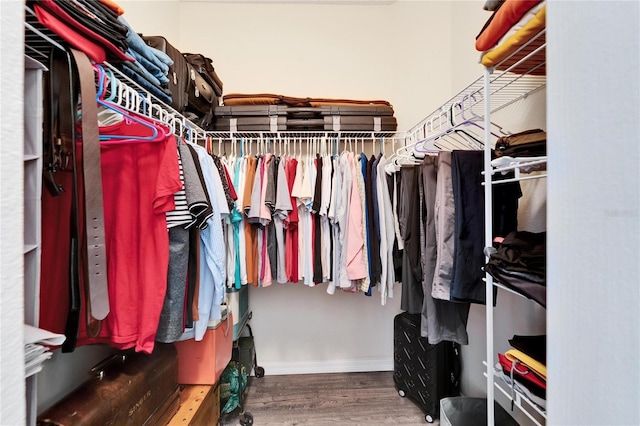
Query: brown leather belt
point(60, 156)
point(94, 242)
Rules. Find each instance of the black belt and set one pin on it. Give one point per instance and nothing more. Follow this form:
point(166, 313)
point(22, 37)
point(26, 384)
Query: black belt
point(89, 255)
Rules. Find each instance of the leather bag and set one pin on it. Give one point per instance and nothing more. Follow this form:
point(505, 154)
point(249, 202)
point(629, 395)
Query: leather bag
point(202, 97)
point(126, 389)
point(204, 66)
point(530, 143)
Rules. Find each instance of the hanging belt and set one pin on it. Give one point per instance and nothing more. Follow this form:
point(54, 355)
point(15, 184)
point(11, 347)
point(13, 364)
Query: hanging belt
point(60, 156)
point(94, 251)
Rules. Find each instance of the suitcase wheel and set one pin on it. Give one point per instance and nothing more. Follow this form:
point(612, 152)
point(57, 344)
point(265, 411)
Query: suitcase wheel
point(246, 419)
point(428, 418)
point(402, 393)
point(259, 372)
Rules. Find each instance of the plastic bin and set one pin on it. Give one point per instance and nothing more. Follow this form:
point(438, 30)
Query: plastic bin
point(202, 362)
point(238, 302)
point(469, 411)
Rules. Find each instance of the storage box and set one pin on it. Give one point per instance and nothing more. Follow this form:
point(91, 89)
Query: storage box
point(238, 302)
point(202, 363)
point(470, 411)
point(199, 405)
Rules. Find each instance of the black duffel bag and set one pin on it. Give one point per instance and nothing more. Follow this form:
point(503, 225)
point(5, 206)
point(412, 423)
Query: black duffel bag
point(203, 90)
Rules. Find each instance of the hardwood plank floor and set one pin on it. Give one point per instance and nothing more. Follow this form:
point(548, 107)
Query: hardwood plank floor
point(329, 399)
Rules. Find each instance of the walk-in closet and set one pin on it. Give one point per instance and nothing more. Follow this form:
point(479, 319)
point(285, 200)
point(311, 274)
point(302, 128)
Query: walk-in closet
point(446, 111)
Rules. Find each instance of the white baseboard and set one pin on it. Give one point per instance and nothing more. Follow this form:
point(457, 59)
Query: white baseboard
point(334, 366)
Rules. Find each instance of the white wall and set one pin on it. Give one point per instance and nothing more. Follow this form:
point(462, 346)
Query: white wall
point(358, 50)
point(399, 51)
point(594, 213)
point(12, 387)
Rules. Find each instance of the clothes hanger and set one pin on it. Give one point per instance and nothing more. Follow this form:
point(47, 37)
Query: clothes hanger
point(475, 118)
point(438, 140)
point(100, 92)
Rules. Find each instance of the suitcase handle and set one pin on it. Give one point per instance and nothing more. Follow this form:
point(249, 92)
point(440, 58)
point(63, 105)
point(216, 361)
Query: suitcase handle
point(99, 369)
point(226, 332)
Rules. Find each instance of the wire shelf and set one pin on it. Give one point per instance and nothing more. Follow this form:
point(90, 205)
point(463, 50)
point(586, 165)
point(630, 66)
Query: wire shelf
point(514, 83)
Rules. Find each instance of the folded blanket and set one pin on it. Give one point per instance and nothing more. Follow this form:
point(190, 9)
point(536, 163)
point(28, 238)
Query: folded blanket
point(527, 35)
point(501, 21)
point(522, 373)
point(535, 365)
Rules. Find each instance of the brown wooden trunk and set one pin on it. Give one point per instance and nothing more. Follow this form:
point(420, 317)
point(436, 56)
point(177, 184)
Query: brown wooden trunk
point(139, 390)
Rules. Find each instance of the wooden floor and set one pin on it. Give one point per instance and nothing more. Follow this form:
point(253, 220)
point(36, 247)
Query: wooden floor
point(328, 399)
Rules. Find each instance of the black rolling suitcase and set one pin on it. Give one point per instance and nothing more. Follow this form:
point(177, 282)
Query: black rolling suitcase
point(178, 72)
point(422, 372)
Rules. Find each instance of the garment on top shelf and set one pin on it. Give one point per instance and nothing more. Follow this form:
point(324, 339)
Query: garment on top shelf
point(524, 375)
point(534, 346)
point(520, 264)
point(134, 72)
point(533, 393)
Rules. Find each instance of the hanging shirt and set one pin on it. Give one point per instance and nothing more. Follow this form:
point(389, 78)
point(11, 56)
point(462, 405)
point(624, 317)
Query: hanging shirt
point(317, 231)
point(212, 252)
point(342, 215)
point(374, 232)
point(179, 216)
point(281, 214)
point(387, 235)
point(197, 200)
point(444, 225)
point(270, 200)
point(291, 242)
point(139, 183)
point(251, 232)
point(299, 192)
point(336, 181)
point(308, 261)
point(327, 172)
point(239, 183)
point(441, 319)
point(356, 264)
